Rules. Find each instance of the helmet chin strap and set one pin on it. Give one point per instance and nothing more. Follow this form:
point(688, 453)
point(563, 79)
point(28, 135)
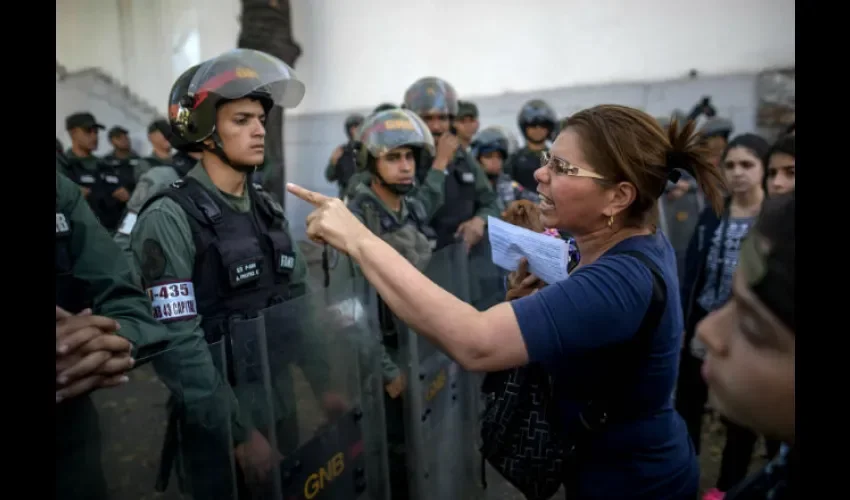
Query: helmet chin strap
point(399, 189)
point(218, 150)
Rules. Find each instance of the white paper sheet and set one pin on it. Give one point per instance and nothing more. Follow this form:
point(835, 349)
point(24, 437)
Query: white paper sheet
point(547, 256)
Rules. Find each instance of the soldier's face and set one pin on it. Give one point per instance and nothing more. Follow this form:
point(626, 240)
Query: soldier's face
point(438, 123)
point(466, 127)
point(241, 127)
point(121, 142)
point(85, 138)
point(537, 133)
point(397, 166)
point(158, 141)
point(492, 162)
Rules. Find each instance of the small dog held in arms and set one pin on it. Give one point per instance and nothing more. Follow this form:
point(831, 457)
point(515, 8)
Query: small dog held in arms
point(525, 214)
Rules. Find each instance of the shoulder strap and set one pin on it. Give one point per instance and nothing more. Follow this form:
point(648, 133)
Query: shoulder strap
point(365, 207)
point(268, 206)
point(596, 414)
point(193, 199)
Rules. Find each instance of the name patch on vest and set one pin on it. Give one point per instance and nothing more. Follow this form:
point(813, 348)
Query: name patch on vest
point(467, 177)
point(285, 262)
point(246, 271)
point(112, 179)
point(87, 179)
point(127, 223)
point(173, 301)
point(62, 226)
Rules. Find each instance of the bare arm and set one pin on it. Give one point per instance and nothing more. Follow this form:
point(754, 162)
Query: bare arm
point(489, 340)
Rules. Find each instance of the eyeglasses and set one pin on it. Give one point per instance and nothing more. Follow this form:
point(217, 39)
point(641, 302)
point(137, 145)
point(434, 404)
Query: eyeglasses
point(560, 166)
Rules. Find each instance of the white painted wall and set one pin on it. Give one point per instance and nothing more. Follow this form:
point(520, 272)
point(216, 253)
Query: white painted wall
point(357, 53)
point(145, 44)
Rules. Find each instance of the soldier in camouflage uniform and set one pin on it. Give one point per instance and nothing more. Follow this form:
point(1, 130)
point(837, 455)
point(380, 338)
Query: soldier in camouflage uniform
point(468, 197)
point(214, 254)
point(536, 121)
point(343, 163)
point(392, 141)
point(428, 189)
point(161, 176)
point(91, 274)
point(123, 157)
point(490, 148)
point(466, 123)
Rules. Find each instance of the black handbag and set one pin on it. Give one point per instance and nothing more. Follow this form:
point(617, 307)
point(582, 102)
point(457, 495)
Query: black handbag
point(521, 429)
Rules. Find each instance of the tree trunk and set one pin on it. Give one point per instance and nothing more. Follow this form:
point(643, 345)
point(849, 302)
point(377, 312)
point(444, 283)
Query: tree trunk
point(267, 26)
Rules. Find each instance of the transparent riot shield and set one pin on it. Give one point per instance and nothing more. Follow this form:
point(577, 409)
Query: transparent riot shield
point(440, 402)
point(678, 219)
point(307, 374)
point(109, 443)
point(486, 280)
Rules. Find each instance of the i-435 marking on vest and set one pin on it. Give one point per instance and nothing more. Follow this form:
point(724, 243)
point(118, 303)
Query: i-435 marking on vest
point(173, 301)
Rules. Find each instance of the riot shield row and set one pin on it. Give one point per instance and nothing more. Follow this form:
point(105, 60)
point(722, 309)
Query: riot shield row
point(300, 385)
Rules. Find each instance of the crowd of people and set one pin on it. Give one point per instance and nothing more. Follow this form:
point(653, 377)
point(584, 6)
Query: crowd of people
point(175, 254)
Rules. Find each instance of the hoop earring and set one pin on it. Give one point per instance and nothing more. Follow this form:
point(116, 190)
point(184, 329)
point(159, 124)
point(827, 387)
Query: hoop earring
point(611, 222)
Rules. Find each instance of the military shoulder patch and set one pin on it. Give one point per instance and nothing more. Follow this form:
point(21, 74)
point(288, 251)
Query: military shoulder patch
point(153, 260)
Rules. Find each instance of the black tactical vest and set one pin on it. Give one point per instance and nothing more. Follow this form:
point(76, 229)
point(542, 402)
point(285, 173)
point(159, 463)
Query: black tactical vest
point(70, 292)
point(102, 183)
point(523, 165)
point(362, 204)
point(125, 169)
point(460, 201)
point(243, 261)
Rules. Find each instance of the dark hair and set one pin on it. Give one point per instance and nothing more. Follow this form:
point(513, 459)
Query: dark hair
point(785, 145)
point(774, 286)
point(627, 145)
point(755, 144)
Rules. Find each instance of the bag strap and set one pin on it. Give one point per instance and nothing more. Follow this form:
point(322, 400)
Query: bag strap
point(597, 413)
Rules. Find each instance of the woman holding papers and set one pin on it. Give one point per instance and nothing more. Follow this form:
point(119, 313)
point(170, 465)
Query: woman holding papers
point(610, 333)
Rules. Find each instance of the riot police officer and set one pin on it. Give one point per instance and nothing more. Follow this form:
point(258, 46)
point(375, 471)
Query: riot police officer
point(536, 121)
point(490, 148)
point(466, 123)
point(468, 198)
point(102, 186)
point(218, 261)
point(715, 134)
point(94, 297)
point(343, 162)
point(161, 176)
point(391, 143)
point(123, 158)
point(158, 132)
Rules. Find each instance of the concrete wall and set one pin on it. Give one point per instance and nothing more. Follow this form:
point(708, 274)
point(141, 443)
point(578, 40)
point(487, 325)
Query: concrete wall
point(110, 102)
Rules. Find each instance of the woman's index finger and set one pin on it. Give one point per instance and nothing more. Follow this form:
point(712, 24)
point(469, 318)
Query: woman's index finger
point(312, 197)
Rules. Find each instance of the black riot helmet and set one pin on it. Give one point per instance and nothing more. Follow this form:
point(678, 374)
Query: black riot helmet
point(384, 131)
point(354, 120)
point(431, 95)
point(236, 74)
point(536, 112)
point(717, 127)
point(488, 140)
